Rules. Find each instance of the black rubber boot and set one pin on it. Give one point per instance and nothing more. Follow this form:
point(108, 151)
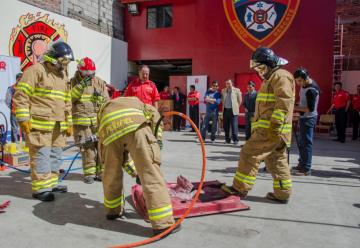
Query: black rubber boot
point(60, 189)
point(232, 191)
point(158, 231)
point(89, 180)
point(98, 178)
point(271, 196)
point(44, 196)
point(115, 216)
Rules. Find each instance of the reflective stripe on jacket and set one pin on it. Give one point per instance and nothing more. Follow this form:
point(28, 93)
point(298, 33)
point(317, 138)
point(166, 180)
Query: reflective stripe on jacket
point(43, 96)
point(275, 104)
point(124, 115)
point(86, 102)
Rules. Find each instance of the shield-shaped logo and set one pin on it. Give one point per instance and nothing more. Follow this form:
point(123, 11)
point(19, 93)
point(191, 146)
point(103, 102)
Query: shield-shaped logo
point(30, 38)
point(260, 22)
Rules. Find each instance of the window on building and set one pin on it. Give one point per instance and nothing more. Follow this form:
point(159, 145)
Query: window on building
point(159, 16)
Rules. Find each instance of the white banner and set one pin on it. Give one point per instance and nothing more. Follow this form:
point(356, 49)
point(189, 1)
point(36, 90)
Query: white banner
point(9, 67)
point(200, 83)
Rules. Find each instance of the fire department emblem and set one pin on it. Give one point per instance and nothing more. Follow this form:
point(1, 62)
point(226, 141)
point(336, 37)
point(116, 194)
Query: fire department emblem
point(259, 23)
point(30, 38)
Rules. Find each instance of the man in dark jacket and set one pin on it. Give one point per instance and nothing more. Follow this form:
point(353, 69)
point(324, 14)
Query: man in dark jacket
point(249, 105)
point(179, 103)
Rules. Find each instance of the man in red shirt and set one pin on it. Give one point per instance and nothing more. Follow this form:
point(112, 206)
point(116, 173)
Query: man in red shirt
point(193, 100)
point(355, 114)
point(165, 93)
point(143, 88)
point(341, 103)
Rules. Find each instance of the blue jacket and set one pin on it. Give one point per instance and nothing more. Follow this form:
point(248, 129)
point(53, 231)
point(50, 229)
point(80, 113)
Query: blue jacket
point(212, 106)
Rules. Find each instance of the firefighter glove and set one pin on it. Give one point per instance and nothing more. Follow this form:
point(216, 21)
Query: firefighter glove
point(85, 82)
point(69, 131)
point(25, 126)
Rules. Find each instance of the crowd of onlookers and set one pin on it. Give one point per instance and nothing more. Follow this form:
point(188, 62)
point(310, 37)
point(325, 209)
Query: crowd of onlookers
point(229, 98)
point(223, 106)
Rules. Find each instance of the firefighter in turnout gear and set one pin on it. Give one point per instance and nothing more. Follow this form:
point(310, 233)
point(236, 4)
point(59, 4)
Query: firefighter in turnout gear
point(271, 128)
point(43, 110)
point(126, 126)
point(88, 94)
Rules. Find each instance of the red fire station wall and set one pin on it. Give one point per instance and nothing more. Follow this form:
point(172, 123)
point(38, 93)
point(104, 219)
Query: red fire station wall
point(201, 32)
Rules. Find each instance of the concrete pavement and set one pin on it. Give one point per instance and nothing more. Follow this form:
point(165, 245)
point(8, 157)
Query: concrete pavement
point(324, 210)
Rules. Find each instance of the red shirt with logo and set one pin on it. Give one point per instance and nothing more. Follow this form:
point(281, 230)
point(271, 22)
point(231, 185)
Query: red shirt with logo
point(193, 94)
point(146, 91)
point(340, 99)
point(356, 102)
point(164, 95)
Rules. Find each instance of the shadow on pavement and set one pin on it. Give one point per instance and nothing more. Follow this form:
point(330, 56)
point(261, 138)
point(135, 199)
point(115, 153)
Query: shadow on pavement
point(16, 184)
point(228, 155)
point(228, 170)
point(252, 198)
point(352, 173)
point(223, 158)
point(74, 177)
point(181, 141)
point(70, 208)
point(293, 221)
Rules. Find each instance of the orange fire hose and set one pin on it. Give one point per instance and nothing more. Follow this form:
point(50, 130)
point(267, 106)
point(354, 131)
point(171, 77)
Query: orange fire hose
point(194, 200)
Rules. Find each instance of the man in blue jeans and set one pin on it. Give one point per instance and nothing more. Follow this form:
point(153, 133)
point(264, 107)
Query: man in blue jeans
point(309, 98)
point(212, 100)
point(15, 130)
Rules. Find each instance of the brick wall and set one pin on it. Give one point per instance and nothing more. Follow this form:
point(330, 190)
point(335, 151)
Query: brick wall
point(50, 5)
point(349, 13)
point(105, 16)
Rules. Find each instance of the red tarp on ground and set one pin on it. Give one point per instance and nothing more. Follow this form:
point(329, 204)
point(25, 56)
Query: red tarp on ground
point(211, 201)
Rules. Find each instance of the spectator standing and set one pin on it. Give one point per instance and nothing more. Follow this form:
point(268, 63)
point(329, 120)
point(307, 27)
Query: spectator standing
point(165, 93)
point(249, 105)
point(212, 100)
point(309, 99)
point(340, 103)
point(15, 133)
point(143, 88)
point(194, 100)
point(179, 103)
point(231, 99)
point(355, 114)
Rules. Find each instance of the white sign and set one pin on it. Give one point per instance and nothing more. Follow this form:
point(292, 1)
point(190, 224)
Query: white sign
point(9, 67)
